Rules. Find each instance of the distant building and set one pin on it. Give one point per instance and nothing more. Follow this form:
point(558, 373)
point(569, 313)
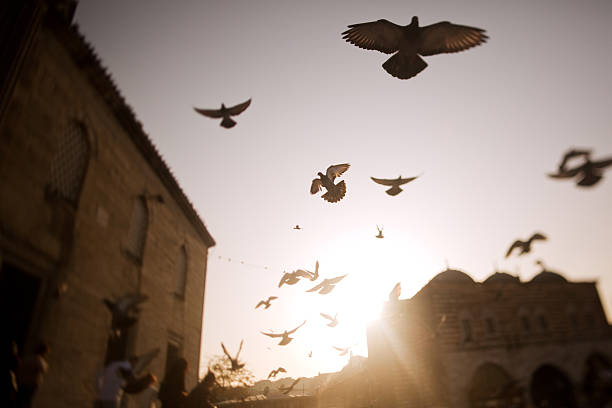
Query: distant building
point(498, 343)
point(262, 401)
point(88, 210)
point(350, 388)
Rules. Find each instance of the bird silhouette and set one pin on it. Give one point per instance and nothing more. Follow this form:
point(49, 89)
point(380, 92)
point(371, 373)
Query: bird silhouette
point(525, 246)
point(234, 360)
point(313, 276)
point(343, 351)
point(380, 234)
point(225, 113)
point(289, 278)
point(589, 172)
point(333, 321)
point(124, 311)
point(408, 42)
point(286, 339)
point(274, 373)
point(297, 227)
point(326, 286)
point(287, 390)
point(266, 303)
point(395, 292)
point(394, 183)
point(335, 192)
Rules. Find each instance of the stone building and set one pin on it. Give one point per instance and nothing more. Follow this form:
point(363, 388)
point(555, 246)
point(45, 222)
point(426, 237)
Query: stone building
point(497, 343)
point(88, 211)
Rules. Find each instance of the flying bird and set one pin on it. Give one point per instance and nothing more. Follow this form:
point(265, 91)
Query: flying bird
point(327, 285)
point(409, 43)
point(589, 172)
point(335, 192)
point(287, 390)
point(313, 276)
point(225, 113)
point(289, 278)
point(394, 183)
point(525, 246)
point(333, 321)
point(380, 234)
point(285, 335)
point(266, 303)
point(395, 292)
point(274, 373)
point(343, 351)
point(234, 360)
point(124, 311)
point(297, 227)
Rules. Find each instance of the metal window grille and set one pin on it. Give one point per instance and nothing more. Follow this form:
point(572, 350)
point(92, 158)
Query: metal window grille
point(181, 281)
point(69, 164)
point(138, 228)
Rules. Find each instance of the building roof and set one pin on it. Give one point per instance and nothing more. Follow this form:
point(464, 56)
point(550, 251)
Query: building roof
point(86, 59)
point(452, 276)
point(502, 277)
point(548, 277)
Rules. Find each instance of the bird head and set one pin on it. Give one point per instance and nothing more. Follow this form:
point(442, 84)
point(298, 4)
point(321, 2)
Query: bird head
point(415, 21)
point(320, 174)
point(223, 106)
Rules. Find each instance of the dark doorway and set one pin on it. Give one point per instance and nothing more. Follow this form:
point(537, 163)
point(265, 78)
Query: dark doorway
point(173, 353)
point(550, 387)
point(492, 386)
point(19, 295)
point(597, 381)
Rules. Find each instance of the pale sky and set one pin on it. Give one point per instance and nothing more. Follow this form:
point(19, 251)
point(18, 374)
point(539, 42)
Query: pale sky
point(483, 126)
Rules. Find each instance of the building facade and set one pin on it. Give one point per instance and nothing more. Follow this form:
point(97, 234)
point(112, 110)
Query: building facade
point(497, 343)
point(89, 212)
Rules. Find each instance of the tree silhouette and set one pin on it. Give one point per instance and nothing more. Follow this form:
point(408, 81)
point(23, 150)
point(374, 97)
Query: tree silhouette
point(231, 384)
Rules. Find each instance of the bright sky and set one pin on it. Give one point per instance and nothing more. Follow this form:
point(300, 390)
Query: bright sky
point(483, 126)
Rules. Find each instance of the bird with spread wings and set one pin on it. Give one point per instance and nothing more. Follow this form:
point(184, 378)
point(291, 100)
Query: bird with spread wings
point(525, 246)
point(327, 285)
point(408, 43)
point(335, 192)
point(225, 113)
point(590, 172)
point(274, 373)
point(286, 339)
point(394, 184)
point(234, 360)
point(333, 321)
point(266, 303)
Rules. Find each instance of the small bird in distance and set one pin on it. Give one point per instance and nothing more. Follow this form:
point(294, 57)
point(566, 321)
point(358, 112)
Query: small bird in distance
point(274, 373)
point(409, 42)
point(327, 285)
point(394, 183)
point(266, 303)
point(286, 339)
point(525, 246)
point(225, 113)
point(589, 172)
point(335, 192)
point(234, 360)
point(297, 227)
point(333, 321)
point(343, 351)
point(380, 234)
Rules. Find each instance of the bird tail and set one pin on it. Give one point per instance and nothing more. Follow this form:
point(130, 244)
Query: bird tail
point(589, 179)
point(228, 122)
point(336, 193)
point(393, 191)
point(404, 67)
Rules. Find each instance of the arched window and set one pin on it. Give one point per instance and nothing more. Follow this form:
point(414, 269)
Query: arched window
point(181, 281)
point(138, 229)
point(69, 163)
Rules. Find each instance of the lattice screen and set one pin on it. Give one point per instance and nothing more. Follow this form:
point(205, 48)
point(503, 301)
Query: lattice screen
point(181, 281)
point(138, 228)
point(69, 164)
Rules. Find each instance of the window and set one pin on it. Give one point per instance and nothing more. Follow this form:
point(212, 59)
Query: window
point(69, 164)
point(467, 330)
point(181, 281)
point(138, 229)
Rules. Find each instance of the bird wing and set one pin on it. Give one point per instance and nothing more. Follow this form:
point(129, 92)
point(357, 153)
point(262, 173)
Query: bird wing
point(272, 298)
point(381, 35)
point(602, 164)
point(537, 235)
point(445, 37)
point(261, 302)
point(211, 113)
point(239, 348)
point(272, 334)
point(338, 348)
point(336, 170)
point(335, 280)
point(571, 154)
point(328, 317)
point(384, 182)
point(516, 244)
point(281, 370)
point(294, 330)
point(284, 279)
point(225, 351)
point(238, 109)
point(316, 186)
point(317, 287)
point(304, 274)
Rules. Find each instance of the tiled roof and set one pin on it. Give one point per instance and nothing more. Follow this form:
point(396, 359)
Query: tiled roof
point(90, 64)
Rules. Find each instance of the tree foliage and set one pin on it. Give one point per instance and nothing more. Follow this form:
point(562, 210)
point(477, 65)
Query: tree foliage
point(231, 384)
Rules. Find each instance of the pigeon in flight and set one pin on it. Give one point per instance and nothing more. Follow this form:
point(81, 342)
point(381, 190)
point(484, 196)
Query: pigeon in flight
point(287, 390)
point(589, 172)
point(409, 43)
point(313, 276)
point(394, 183)
point(225, 113)
point(274, 373)
point(289, 278)
point(335, 192)
point(285, 335)
point(297, 227)
point(326, 286)
point(333, 321)
point(124, 311)
point(525, 246)
point(234, 360)
point(266, 303)
point(380, 234)
point(395, 292)
point(343, 351)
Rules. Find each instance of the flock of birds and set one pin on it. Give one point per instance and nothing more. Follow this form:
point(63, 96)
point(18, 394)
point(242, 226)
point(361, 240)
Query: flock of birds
point(408, 44)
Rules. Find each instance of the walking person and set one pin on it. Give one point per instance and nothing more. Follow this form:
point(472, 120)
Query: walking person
point(30, 375)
